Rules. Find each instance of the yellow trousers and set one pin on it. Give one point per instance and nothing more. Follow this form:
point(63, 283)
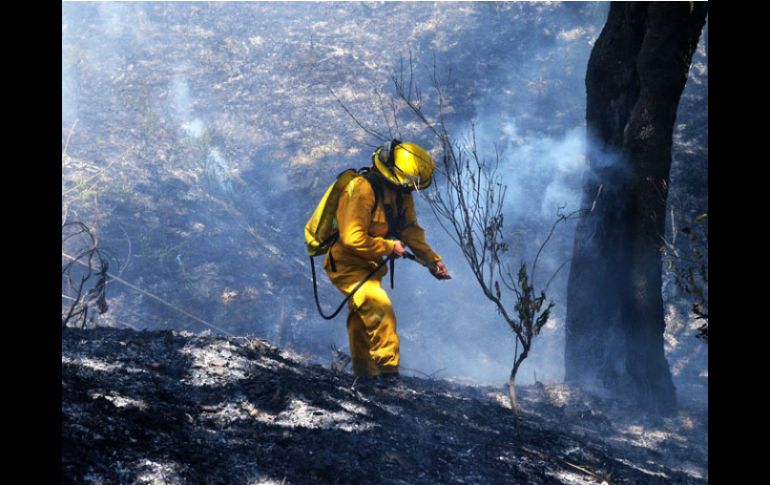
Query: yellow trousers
point(374, 344)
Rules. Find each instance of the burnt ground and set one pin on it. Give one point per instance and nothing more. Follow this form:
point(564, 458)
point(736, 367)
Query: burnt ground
point(173, 408)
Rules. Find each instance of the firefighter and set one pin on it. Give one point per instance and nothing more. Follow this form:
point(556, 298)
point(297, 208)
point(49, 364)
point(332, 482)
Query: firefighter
point(368, 233)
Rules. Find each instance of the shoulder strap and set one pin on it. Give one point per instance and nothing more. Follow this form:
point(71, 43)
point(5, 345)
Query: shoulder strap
point(371, 177)
point(400, 208)
point(395, 218)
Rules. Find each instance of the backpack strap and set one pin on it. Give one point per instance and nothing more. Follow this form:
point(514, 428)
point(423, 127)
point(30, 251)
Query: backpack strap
point(395, 217)
point(376, 185)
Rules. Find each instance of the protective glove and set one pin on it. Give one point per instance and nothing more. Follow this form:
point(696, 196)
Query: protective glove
point(439, 271)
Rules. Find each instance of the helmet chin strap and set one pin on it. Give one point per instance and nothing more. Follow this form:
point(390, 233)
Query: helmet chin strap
point(410, 179)
point(415, 185)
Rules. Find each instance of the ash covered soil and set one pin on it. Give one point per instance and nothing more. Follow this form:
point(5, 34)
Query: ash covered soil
point(175, 407)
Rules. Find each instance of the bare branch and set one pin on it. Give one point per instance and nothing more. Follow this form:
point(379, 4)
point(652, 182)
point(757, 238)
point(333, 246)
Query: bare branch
point(128, 256)
point(381, 106)
point(562, 265)
point(370, 131)
point(560, 218)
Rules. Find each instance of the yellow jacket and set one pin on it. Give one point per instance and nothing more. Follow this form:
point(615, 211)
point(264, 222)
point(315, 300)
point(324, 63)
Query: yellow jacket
point(362, 242)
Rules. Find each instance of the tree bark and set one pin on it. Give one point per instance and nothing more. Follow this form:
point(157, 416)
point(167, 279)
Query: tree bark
point(615, 319)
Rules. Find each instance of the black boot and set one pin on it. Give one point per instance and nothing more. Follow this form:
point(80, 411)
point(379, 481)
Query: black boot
point(388, 380)
point(364, 384)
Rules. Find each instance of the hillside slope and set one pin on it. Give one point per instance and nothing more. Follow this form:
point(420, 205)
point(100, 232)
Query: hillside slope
point(168, 407)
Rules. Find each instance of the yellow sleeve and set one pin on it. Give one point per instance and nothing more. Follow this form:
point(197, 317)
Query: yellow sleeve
point(414, 235)
point(354, 216)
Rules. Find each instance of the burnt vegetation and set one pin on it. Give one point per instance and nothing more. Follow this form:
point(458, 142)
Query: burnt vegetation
point(173, 407)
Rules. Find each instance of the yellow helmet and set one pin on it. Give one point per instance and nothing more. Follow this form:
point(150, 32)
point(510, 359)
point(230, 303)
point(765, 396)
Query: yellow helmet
point(404, 166)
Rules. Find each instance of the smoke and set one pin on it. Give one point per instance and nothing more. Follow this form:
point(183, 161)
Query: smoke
point(181, 106)
point(69, 82)
point(543, 174)
point(213, 164)
point(69, 95)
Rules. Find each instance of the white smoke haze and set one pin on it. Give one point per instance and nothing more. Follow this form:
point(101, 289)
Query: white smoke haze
point(543, 174)
point(181, 106)
point(234, 137)
point(69, 87)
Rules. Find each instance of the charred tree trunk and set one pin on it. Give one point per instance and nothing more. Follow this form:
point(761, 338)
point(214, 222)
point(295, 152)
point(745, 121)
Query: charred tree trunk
point(615, 319)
